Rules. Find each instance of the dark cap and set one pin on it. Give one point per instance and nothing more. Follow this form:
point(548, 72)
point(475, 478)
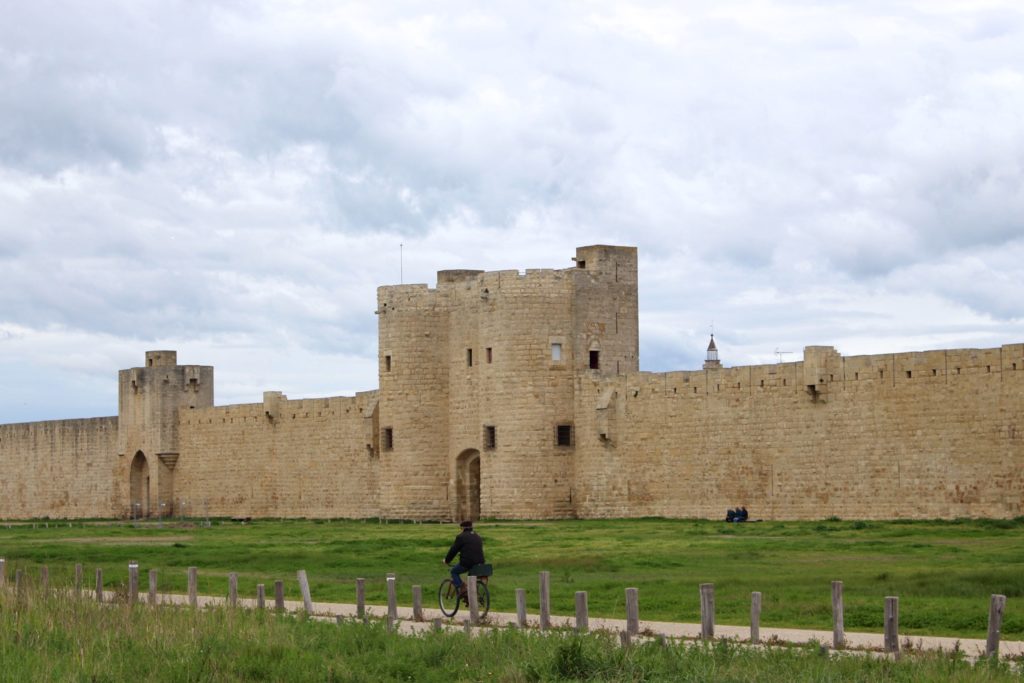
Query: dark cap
point(467, 524)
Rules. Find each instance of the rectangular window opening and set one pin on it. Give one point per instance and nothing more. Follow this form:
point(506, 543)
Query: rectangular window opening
point(490, 437)
point(469, 358)
point(595, 360)
point(909, 374)
point(958, 371)
point(988, 368)
point(935, 373)
point(581, 264)
point(563, 435)
point(387, 438)
point(490, 355)
point(556, 351)
point(387, 363)
point(856, 375)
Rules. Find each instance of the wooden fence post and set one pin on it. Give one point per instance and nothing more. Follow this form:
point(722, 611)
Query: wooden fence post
point(307, 599)
point(152, 587)
point(521, 607)
point(361, 598)
point(417, 603)
point(99, 585)
point(545, 601)
point(838, 629)
point(3, 571)
point(892, 625)
point(582, 617)
point(279, 596)
point(632, 611)
point(707, 611)
point(233, 589)
point(44, 579)
point(79, 572)
point(133, 583)
point(193, 586)
point(755, 617)
point(392, 601)
point(995, 624)
point(471, 595)
point(261, 596)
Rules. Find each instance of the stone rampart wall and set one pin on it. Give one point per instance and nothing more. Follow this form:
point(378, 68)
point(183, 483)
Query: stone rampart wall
point(922, 435)
point(309, 459)
point(59, 469)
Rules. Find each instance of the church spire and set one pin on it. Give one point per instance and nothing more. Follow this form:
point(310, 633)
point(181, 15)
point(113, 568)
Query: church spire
point(712, 359)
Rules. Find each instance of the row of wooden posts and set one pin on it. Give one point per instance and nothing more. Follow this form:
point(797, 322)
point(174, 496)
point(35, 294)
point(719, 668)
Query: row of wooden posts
point(707, 604)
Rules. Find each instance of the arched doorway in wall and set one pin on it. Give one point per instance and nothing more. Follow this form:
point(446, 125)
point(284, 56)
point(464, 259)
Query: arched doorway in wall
point(139, 486)
point(467, 484)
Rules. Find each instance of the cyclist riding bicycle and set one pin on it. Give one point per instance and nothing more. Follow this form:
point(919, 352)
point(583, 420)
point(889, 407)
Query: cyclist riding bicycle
point(470, 549)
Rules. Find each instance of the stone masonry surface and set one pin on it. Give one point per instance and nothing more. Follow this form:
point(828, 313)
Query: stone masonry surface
point(519, 395)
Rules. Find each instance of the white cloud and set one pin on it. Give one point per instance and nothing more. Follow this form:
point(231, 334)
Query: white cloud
point(235, 180)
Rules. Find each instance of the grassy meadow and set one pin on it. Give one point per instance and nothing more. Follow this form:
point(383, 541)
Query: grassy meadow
point(56, 637)
point(943, 571)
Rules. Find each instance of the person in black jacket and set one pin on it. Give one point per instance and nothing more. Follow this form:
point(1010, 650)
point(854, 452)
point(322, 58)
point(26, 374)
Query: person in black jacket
point(470, 549)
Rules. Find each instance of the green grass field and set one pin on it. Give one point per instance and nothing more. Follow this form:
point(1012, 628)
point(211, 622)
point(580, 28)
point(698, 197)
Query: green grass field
point(943, 572)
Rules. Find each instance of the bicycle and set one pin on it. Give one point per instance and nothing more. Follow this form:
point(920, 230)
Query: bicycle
point(448, 598)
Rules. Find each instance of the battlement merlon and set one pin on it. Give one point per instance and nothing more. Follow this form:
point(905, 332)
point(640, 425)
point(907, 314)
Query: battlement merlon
point(605, 259)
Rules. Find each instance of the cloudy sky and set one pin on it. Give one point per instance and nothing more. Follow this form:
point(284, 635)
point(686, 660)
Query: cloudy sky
point(233, 180)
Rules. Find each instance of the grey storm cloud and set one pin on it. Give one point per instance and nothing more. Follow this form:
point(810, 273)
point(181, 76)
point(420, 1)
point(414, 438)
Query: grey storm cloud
point(234, 179)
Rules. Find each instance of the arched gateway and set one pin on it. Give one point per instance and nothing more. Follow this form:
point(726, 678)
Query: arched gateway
point(467, 484)
point(139, 486)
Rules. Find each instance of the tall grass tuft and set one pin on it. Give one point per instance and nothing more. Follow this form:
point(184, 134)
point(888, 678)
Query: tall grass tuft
point(61, 637)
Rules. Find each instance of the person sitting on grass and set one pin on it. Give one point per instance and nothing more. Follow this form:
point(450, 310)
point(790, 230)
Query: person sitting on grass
point(470, 549)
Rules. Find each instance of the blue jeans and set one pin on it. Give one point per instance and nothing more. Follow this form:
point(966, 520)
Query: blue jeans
point(456, 570)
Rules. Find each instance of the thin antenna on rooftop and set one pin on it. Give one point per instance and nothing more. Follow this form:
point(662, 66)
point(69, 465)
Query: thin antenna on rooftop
point(401, 264)
point(781, 353)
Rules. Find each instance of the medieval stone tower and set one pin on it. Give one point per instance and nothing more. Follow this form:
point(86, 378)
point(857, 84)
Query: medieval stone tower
point(478, 381)
point(149, 401)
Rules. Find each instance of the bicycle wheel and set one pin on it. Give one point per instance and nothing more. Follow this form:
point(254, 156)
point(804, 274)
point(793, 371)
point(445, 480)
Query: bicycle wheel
point(483, 599)
point(448, 598)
